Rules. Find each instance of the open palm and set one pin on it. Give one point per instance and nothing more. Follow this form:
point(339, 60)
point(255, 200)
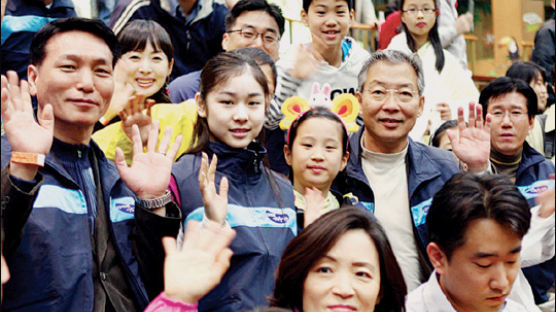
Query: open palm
point(149, 174)
point(24, 133)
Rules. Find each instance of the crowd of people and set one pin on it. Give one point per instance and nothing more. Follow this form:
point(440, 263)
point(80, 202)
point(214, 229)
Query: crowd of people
point(169, 158)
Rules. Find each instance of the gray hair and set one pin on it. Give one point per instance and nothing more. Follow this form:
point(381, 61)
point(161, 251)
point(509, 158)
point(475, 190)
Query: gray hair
point(394, 57)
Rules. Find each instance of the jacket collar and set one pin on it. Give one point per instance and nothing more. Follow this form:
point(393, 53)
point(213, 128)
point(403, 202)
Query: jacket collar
point(238, 164)
point(530, 157)
point(420, 167)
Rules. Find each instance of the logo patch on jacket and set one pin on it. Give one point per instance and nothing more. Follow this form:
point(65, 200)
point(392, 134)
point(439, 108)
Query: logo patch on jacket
point(533, 190)
point(122, 208)
point(277, 217)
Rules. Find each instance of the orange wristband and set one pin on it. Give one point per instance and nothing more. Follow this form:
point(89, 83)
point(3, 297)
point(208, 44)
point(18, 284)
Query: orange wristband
point(28, 158)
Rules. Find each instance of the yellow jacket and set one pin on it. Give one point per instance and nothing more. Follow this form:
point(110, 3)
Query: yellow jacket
point(181, 117)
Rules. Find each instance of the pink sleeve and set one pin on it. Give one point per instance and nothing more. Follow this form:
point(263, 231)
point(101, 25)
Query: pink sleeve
point(173, 187)
point(165, 304)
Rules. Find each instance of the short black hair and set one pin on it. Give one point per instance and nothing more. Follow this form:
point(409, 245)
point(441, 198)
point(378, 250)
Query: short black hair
point(504, 85)
point(307, 4)
point(447, 125)
point(93, 26)
point(467, 197)
point(526, 71)
point(255, 5)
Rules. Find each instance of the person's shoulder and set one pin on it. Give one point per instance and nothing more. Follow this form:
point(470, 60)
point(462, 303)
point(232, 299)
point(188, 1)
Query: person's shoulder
point(399, 43)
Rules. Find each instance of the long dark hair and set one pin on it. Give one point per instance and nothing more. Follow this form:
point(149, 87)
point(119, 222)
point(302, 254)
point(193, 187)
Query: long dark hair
point(218, 69)
point(135, 37)
point(317, 239)
point(434, 38)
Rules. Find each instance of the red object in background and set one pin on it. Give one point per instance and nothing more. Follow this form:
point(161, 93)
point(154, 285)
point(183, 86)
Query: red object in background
point(389, 29)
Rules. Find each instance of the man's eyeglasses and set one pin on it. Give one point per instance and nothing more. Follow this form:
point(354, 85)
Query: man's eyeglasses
point(414, 11)
point(498, 115)
point(249, 33)
point(404, 95)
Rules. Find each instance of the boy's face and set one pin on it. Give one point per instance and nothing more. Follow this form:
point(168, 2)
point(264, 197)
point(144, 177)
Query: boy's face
point(328, 21)
point(480, 273)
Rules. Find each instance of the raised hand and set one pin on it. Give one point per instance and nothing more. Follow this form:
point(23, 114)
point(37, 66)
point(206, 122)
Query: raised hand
point(216, 205)
point(314, 202)
point(471, 143)
point(133, 114)
point(24, 133)
point(120, 99)
point(444, 109)
point(306, 62)
point(193, 271)
point(149, 174)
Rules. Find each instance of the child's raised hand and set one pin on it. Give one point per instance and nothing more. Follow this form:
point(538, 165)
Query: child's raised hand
point(314, 204)
point(306, 62)
point(216, 205)
point(190, 273)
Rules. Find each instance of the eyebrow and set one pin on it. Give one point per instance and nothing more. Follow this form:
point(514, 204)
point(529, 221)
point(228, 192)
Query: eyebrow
point(486, 254)
point(75, 57)
point(230, 93)
point(254, 27)
point(399, 85)
point(357, 264)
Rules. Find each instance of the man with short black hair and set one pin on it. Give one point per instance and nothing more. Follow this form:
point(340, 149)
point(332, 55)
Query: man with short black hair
point(512, 104)
point(91, 223)
point(476, 225)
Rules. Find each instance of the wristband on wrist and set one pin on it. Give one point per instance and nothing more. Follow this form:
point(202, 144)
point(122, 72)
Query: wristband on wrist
point(155, 203)
point(28, 158)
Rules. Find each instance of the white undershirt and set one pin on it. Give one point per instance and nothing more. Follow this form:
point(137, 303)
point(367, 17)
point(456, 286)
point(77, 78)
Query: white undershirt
point(387, 176)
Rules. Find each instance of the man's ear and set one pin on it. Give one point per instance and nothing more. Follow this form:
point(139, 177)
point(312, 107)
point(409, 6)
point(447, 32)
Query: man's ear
point(225, 41)
point(421, 105)
point(304, 18)
point(32, 76)
point(201, 106)
point(288, 155)
point(437, 257)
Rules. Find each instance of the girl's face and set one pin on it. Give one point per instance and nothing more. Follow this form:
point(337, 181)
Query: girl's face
point(235, 110)
point(419, 16)
point(444, 142)
point(145, 70)
point(539, 86)
point(316, 155)
point(346, 278)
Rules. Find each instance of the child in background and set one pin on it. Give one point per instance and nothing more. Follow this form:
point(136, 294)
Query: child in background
point(331, 57)
point(447, 84)
point(231, 108)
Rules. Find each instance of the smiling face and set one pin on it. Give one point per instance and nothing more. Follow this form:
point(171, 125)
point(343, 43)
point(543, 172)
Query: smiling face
point(388, 122)
point(316, 154)
point(145, 70)
point(480, 273)
point(234, 110)
point(328, 21)
point(345, 278)
point(510, 123)
point(419, 23)
point(259, 21)
point(539, 86)
point(75, 76)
